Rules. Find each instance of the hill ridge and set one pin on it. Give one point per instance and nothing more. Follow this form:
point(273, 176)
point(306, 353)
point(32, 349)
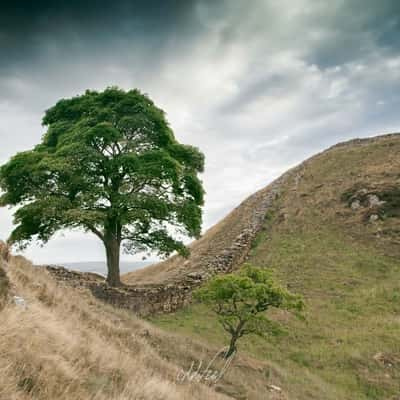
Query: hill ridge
point(256, 200)
point(167, 286)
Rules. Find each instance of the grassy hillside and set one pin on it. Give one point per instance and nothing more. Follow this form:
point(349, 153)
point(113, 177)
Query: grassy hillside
point(64, 344)
point(329, 237)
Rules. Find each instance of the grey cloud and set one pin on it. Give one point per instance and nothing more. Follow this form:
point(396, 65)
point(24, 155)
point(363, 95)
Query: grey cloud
point(354, 29)
point(24, 27)
point(273, 85)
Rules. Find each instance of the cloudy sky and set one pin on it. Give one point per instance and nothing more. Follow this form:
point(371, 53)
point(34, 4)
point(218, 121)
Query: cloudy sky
point(258, 85)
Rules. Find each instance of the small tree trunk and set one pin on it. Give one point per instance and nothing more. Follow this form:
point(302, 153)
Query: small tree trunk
point(113, 251)
point(232, 346)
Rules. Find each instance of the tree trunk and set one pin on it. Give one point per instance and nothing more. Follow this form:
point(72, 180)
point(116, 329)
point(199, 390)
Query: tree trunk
point(232, 346)
point(112, 251)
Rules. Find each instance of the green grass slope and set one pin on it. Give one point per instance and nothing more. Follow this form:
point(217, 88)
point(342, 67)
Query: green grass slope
point(333, 236)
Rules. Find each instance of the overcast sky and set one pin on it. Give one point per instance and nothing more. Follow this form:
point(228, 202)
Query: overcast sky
point(257, 85)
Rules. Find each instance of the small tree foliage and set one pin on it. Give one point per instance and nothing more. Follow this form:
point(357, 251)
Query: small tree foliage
point(109, 163)
point(241, 299)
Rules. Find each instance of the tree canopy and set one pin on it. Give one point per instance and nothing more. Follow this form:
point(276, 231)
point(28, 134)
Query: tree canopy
point(108, 163)
point(241, 299)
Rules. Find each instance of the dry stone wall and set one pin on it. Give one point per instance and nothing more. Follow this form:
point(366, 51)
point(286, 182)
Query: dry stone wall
point(154, 298)
point(142, 300)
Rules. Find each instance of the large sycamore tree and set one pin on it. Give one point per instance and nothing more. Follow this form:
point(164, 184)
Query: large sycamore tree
point(108, 163)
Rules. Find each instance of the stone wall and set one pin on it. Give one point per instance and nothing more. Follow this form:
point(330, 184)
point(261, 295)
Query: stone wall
point(237, 252)
point(142, 300)
point(153, 298)
point(168, 297)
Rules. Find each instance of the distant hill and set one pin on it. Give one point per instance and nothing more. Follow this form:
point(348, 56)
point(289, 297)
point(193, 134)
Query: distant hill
point(100, 267)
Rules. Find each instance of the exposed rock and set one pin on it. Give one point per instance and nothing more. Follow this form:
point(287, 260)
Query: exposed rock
point(198, 275)
point(274, 388)
point(177, 280)
point(355, 205)
point(142, 300)
point(19, 301)
point(373, 218)
point(386, 360)
point(374, 201)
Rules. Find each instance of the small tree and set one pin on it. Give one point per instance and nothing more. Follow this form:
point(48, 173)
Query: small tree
point(109, 163)
point(241, 299)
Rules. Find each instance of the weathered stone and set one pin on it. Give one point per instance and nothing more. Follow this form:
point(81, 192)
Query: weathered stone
point(387, 360)
point(195, 275)
point(5, 252)
point(274, 388)
point(374, 201)
point(373, 217)
point(355, 205)
point(20, 302)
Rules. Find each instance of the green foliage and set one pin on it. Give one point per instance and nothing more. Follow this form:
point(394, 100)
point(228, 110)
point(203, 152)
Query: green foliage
point(109, 162)
point(390, 197)
point(391, 207)
point(241, 299)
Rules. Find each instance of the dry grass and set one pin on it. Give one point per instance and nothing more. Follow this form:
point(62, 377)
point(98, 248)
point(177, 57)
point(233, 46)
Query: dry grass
point(4, 286)
point(4, 251)
point(66, 345)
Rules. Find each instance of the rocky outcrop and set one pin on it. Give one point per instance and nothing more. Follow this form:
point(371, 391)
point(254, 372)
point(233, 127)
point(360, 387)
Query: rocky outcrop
point(374, 203)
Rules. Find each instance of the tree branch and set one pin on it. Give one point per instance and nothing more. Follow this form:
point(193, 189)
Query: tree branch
point(95, 231)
